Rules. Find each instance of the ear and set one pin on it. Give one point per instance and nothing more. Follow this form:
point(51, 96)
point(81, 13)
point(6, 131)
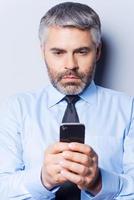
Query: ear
point(98, 51)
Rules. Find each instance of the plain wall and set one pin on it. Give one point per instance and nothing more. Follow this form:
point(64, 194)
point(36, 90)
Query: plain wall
point(21, 64)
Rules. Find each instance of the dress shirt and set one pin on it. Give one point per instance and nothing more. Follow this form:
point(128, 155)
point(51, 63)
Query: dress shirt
point(29, 123)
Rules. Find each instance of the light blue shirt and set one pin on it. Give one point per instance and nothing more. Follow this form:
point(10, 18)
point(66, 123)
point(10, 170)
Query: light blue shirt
point(30, 122)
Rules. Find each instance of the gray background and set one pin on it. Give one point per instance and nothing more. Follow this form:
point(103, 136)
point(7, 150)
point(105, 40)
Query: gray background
point(21, 65)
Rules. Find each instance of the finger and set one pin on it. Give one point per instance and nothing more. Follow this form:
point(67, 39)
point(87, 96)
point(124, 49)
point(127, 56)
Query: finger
point(53, 158)
point(75, 167)
point(57, 179)
point(51, 175)
point(78, 157)
point(74, 178)
point(57, 148)
point(53, 169)
point(82, 182)
point(83, 148)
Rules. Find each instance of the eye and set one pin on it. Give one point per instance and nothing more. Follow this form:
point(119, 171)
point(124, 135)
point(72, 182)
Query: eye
point(58, 52)
point(83, 52)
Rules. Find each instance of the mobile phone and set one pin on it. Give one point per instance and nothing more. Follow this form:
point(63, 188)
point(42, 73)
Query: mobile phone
point(72, 132)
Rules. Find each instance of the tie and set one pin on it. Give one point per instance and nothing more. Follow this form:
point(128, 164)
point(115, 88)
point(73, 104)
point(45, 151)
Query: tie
point(69, 191)
point(70, 114)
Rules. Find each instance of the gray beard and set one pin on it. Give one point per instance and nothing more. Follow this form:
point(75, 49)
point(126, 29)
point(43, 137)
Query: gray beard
point(71, 88)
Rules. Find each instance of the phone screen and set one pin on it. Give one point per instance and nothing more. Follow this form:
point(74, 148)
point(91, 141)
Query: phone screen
point(72, 132)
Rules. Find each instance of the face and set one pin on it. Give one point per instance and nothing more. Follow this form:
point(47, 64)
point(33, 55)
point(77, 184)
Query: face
point(70, 56)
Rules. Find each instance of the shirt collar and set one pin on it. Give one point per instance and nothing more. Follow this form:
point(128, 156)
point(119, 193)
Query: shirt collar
point(89, 95)
point(54, 96)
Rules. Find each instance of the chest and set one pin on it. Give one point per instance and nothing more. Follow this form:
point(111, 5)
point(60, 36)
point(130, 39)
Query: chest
point(104, 132)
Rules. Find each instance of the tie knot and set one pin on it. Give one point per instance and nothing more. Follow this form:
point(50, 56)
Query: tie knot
point(71, 99)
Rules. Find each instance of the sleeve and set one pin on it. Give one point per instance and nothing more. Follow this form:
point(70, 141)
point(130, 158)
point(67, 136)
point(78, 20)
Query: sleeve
point(119, 186)
point(16, 183)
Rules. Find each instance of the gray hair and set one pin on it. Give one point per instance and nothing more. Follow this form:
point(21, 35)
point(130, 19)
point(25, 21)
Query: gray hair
point(71, 14)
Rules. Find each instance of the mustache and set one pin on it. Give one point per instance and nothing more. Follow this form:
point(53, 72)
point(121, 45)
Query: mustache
point(71, 72)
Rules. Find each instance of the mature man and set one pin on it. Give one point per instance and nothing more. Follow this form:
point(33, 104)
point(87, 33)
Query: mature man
point(34, 164)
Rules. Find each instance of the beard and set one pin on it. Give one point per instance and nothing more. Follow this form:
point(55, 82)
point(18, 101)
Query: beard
point(71, 87)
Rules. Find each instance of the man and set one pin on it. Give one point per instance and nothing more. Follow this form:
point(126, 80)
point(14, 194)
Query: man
point(34, 164)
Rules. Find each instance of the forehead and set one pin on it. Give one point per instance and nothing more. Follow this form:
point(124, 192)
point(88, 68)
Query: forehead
point(65, 37)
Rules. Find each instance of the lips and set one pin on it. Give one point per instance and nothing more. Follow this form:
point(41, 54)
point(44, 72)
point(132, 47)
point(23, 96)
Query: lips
point(70, 77)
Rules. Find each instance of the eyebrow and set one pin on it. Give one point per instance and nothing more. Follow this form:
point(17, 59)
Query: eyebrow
point(82, 48)
point(75, 50)
point(57, 49)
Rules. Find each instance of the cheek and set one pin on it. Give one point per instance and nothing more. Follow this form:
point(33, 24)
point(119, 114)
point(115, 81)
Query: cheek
point(87, 66)
point(52, 71)
point(54, 64)
point(87, 61)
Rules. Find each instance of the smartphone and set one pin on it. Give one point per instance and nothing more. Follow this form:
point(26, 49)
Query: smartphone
point(72, 132)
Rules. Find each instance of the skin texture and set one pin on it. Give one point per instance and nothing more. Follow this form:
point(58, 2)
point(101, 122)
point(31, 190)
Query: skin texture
point(71, 56)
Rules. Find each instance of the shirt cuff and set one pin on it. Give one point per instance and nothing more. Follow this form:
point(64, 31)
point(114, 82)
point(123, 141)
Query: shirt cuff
point(110, 187)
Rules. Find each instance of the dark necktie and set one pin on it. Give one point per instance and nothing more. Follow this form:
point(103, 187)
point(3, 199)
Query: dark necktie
point(70, 114)
point(69, 191)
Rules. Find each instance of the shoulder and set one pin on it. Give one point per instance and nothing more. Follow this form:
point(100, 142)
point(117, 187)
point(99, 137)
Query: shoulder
point(22, 100)
point(29, 96)
point(110, 93)
point(115, 98)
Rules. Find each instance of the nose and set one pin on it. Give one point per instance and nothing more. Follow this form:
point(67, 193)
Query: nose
point(71, 62)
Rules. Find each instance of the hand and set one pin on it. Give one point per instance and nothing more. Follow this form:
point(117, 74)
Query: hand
point(51, 170)
point(80, 166)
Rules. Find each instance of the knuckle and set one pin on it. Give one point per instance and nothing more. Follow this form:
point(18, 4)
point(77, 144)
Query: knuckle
point(95, 159)
point(88, 180)
point(68, 155)
point(80, 181)
point(95, 164)
point(83, 170)
point(86, 160)
point(89, 150)
point(59, 179)
point(56, 179)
